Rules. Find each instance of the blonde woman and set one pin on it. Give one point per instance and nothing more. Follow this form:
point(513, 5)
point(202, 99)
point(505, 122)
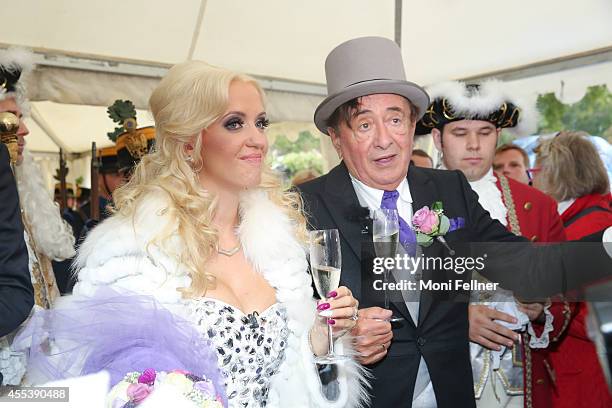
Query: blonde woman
point(204, 227)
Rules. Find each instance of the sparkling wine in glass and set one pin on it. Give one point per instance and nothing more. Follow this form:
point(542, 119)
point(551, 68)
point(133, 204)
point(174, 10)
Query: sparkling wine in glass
point(326, 278)
point(385, 225)
point(326, 264)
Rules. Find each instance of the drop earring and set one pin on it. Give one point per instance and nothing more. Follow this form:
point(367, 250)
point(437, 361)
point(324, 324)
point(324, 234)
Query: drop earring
point(189, 149)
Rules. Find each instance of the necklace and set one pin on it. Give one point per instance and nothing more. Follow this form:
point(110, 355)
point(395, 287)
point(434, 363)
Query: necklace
point(229, 252)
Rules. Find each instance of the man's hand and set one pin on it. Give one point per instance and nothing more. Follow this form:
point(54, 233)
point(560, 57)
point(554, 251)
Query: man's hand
point(372, 334)
point(533, 310)
point(487, 333)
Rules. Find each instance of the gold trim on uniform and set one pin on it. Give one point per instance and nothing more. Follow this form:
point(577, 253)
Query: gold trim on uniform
point(528, 372)
point(509, 202)
point(567, 316)
point(45, 287)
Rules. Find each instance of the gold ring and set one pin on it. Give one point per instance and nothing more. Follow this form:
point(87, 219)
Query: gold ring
point(383, 347)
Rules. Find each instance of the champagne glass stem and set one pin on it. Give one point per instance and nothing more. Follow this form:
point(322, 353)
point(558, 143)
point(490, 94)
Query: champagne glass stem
point(385, 281)
point(330, 335)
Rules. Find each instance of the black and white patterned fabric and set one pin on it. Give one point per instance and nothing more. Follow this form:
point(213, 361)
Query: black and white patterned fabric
point(250, 347)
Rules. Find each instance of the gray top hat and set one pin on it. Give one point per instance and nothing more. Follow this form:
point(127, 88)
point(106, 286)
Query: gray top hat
point(366, 66)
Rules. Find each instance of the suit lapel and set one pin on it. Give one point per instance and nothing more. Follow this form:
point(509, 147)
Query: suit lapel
point(343, 205)
point(424, 193)
point(352, 222)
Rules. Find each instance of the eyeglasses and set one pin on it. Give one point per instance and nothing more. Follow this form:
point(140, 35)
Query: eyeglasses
point(533, 171)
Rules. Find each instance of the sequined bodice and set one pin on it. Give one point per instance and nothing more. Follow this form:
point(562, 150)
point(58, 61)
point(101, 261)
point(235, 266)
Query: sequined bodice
point(250, 347)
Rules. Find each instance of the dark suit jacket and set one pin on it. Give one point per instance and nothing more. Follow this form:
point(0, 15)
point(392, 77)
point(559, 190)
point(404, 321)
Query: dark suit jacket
point(441, 336)
point(16, 292)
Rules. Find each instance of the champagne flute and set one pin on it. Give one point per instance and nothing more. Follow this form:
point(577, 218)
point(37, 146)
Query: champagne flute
point(325, 264)
point(385, 225)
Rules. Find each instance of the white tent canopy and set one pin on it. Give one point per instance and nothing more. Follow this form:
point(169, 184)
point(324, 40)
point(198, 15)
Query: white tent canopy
point(92, 52)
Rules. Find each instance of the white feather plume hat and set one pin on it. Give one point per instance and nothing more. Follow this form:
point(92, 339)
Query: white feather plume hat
point(15, 64)
point(491, 101)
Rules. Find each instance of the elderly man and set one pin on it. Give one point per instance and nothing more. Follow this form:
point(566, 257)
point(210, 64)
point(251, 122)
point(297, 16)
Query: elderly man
point(370, 115)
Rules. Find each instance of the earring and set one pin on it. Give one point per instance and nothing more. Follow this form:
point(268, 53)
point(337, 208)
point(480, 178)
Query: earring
point(189, 150)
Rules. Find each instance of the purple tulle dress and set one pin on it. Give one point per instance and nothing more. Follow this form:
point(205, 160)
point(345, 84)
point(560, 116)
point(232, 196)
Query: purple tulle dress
point(119, 333)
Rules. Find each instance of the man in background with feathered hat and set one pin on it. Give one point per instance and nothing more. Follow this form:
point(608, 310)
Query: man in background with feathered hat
point(117, 162)
point(131, 141)
point(466, 122)
point(47, 236)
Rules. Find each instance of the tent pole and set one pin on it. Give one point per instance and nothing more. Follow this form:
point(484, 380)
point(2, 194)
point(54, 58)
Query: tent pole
point(398, 22)
point(196, 31)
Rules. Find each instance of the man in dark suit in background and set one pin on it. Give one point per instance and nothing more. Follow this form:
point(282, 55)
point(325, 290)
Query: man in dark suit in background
point(370, 115)
point(16, 291)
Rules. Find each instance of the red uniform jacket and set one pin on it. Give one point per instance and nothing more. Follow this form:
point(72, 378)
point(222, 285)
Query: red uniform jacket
point(538, 220)
point(580, 381)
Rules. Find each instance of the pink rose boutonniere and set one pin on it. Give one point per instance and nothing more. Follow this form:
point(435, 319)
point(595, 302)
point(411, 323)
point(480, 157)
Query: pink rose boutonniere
point(430, 224)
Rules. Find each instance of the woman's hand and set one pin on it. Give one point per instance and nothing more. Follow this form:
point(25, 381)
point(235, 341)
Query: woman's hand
point(338, 310)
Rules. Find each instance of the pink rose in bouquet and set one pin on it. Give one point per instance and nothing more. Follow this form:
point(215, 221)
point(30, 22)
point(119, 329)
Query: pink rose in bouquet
point(138, 392)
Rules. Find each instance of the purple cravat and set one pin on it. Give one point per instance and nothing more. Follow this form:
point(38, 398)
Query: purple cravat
point(407, 237)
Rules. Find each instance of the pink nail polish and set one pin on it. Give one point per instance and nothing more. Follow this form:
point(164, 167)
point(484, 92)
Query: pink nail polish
point(332, 294)
point(323, 306)
point(331, 322)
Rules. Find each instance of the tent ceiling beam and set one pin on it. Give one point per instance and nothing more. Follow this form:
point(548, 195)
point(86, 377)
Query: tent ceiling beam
point(579, 60)
point(148, 70)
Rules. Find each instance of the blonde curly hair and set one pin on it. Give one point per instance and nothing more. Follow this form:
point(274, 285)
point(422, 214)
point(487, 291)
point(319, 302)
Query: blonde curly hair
point(191, 97)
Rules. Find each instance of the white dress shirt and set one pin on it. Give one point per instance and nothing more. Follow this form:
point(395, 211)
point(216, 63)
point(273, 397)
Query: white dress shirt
point(490, 198)
point(424, 396)
point(372, 197)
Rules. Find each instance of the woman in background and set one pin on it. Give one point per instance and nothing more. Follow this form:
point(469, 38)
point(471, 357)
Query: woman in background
point(571, 171)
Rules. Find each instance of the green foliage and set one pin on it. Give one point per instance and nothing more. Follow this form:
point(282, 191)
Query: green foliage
point(296, 161)
point(302, 154)
point(551, 111)
point(304, 143)
point(505, 137)
point(592, 114)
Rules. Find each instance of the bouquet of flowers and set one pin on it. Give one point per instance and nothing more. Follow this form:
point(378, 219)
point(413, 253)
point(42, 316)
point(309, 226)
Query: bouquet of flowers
point(137, 386)
point(143, 346)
